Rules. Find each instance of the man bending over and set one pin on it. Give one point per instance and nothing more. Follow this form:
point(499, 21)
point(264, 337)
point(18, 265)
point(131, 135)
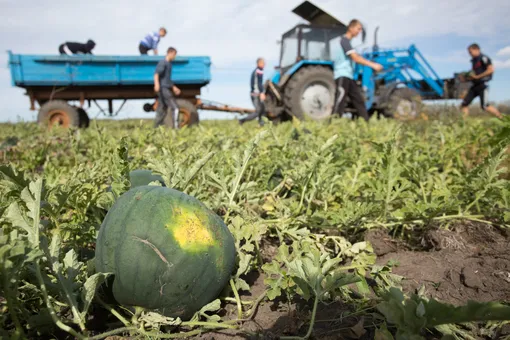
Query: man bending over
point(77, 48)
point(151, 41)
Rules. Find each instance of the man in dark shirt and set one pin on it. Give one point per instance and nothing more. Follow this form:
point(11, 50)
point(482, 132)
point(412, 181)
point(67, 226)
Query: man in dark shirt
point(257, 93)
point(163, 86)
point(77, 48)
point(344, 72)
point(481, 73)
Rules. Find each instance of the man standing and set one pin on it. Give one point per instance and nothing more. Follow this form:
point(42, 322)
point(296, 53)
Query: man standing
point(257, 93)
point(163, 85)
point(481, 74)
point(77, 48)
point(151, 41)
point(344, 72)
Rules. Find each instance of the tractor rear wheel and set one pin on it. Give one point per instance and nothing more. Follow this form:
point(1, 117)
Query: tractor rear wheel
point(310, 93)
point(57, 112)
point(188, 114)
point(404, 104)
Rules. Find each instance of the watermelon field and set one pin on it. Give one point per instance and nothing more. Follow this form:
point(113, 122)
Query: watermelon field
point(338, 230)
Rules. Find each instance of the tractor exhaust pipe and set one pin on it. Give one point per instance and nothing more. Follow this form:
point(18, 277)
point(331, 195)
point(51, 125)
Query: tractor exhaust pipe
point(375, 48)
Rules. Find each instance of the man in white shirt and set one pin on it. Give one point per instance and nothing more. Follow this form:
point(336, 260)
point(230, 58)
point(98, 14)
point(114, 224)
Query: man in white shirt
point(344, 72)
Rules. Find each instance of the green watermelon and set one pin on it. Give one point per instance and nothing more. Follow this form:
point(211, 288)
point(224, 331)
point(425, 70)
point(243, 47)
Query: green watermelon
point(141, 177)
point(168, 252)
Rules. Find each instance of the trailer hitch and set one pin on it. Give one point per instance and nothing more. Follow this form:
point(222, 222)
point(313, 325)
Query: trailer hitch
point(215, 106)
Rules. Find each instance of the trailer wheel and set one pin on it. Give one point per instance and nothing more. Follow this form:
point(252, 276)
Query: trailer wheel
point(148, 107)
point(188, 114)
point(83, 117)
point(310, 93)
point(404, 104)
point(57, 112)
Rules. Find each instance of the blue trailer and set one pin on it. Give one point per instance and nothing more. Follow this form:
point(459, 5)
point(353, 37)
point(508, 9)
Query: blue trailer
point(303, 85)
point(54, 81)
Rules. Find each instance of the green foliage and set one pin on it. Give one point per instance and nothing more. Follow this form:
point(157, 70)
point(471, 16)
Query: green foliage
point(297, 198)
point(415, 314)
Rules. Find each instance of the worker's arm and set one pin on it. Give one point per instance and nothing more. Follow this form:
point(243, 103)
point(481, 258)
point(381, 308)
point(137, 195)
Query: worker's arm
point(174, 88)
point(351, 52)
point(360, 60)
point(156, 82)
point(160, 69)
point(155, 41)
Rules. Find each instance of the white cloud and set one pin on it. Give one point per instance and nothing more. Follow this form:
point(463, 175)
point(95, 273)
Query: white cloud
point(457, 56)
point(502, 63)
point(229, 30)
point(504, 52)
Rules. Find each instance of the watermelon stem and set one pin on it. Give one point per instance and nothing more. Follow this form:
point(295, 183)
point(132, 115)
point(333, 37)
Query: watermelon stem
point(113, 332)
point(243, 302)
point(46, 298)
point(138, 312)
point(113, 311)
point(238, 300)
point(173, 335)
point(251, 311)
point(208, 324)
point(259, 254)
point(310, 328)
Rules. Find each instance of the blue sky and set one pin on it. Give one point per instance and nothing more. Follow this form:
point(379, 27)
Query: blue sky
point(235, 32)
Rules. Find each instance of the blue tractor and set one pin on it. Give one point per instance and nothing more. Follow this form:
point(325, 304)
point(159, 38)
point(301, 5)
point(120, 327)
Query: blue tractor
point(303, 84)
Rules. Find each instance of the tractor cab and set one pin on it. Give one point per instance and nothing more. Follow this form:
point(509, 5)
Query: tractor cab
point(319, 39)
point(309, 42)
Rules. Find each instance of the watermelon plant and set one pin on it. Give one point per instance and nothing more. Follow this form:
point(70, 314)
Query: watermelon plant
point(126, 230)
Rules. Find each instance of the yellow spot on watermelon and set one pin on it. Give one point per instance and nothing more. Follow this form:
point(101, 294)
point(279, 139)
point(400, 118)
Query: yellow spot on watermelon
point(189, 231)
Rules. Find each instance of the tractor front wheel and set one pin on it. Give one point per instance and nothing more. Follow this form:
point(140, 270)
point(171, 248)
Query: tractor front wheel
point(404, 104)
point(310, 93)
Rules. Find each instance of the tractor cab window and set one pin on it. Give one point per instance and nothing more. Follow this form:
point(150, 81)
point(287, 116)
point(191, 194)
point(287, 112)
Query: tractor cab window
point(334, 46)
point(314, 44)
point(289, 46)
point(309, 43)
